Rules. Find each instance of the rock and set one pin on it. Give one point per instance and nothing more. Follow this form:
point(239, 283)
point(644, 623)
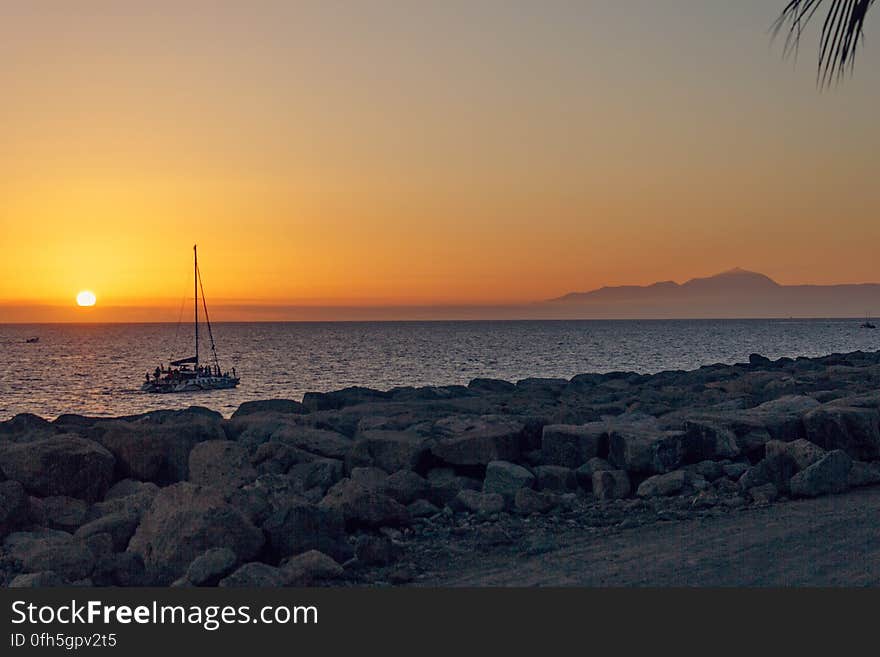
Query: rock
point(765, 494)
point(352, 396)
point(310, 567)
point(646, 450)
point(255, 575)
point(478, 441)
point(573, 445)
point(120, 569)
point(286, 406)
point(445, 485)
point(828, 475)
point(25, 428)
point(156, 447)
point(319, 474)
point(184, 521)
point(757, 360)
point(491, 386)
point(709, 470)
point(528, 501)
point(321, 442)
point(60, 465)
point(864, 474)
point(131, 487)
point(671, 483)
point(477, 502)
point(362, 507)
point(801, 451)
point(776, 470)
point(100, 545)
point(70, 559)
point(422, 509)
point(369, 477)
point(120, 527)
point(45, 579)
point(406, 486)
point(223, 464)
point(555, 478)
point(388, 450)
point(300, 527)
point(584, 474)
point(506, 478)
point(376, 550)
point(211, 566)
point(707, 440)
point(58, 512)
point(735, 470)
point(854, 430)
point(14, 507)
point(611, 484)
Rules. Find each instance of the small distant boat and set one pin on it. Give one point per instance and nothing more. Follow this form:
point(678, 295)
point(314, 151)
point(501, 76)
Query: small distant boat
point(189, 374)
point(32, 340)
point(867, 323)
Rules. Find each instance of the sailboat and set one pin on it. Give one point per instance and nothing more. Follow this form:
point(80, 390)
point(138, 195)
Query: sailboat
point(190, 374)
point(867, 323)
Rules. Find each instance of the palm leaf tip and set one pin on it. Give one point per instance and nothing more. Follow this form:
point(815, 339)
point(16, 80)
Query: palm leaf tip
point(842, 32)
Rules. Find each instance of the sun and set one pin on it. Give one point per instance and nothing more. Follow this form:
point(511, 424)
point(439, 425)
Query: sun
point(86, 298)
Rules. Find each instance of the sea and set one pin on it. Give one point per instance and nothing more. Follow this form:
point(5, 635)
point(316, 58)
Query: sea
point(97, 369)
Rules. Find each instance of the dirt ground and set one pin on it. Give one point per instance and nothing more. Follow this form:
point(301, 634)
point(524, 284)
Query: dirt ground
point(829, 541)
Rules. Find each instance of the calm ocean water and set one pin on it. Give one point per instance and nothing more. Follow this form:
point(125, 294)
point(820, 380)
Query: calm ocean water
point(98, 369)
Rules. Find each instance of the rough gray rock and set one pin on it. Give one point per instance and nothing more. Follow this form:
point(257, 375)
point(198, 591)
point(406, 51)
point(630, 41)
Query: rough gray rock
point(477, 502)
point(255, 575)
point(310, 567)
point(671, 483)
point(376, 550)
point(58, 512)
point(363, 507)
point(506, 478)
point(477, 441)
point(45, 579)
point(223, 464)
point(828, 475)
point(528, 501)
point(406, 486)
point(184, 521)
point(556, 478)
point(854, 430)
point(611, 484)
point(120, 527)
point(300, 527)
point(286, 406)
point(573, 445)
point(60, 465)
point(388, 450)
point(210, 567)
point(801, 451)
point(646, 450)
point(14, 507)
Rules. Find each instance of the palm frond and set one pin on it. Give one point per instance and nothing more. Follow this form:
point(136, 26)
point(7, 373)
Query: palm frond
point(842, 33)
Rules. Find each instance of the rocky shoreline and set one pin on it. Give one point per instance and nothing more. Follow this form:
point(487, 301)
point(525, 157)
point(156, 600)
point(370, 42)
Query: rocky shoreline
point(365, 487)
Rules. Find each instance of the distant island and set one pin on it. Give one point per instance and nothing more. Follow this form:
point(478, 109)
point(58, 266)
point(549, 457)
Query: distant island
point(733, 293)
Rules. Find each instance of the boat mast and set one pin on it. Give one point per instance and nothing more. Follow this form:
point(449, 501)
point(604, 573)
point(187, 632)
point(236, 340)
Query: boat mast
point(196, 305)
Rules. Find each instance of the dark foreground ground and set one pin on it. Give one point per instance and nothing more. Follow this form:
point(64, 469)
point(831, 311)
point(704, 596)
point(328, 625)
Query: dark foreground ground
point(760, 473)
point(830, 541)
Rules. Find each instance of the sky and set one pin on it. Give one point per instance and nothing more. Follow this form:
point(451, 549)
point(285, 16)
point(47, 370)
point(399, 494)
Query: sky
point(422, 154)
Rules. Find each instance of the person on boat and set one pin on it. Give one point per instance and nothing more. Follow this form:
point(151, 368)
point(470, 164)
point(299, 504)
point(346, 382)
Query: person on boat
point(233, 372)
point(156, 373)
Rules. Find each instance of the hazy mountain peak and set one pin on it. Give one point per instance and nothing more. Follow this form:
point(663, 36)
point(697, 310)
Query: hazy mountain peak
point(736, 277)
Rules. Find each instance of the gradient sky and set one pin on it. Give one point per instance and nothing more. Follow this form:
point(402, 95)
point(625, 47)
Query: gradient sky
point(358, 153)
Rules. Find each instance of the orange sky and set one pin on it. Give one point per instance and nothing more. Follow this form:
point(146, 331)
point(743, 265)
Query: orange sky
point(449, 153)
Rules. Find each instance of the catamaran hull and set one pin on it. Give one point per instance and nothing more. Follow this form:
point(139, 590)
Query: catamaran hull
point(201, 384)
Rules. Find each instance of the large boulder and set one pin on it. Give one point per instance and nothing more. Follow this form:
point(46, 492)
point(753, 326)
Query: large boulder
point(573, 445)
point(363, 507)
point(646, 450)
point(854, 430)
point(801, 451)
point(478, 441)
point(777, 470)
point(311, 567)
point(13, 507)
point(406, 486)
point(352, 396)
point(389, 450)
point(270, 406)
point(154, 450)
point(477, 502)
point(321, 442)
point(184, 521)
point(611, 484)
point(828, 475)
point(50, 550)
point(26, 427)
point(119, 526)
point(671, 483)
point(221, 463)
point(556, 478)
point(64, 464)
point(705, 440)
point(299, 527)
point(255, 575)
point(58, 512)
point(210, 567)
point(506, 478)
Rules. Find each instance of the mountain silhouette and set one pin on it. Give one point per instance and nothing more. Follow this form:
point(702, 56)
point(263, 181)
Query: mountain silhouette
point(733, 293)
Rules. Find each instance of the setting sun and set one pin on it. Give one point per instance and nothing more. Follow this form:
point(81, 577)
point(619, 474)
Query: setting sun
point(86, 298)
